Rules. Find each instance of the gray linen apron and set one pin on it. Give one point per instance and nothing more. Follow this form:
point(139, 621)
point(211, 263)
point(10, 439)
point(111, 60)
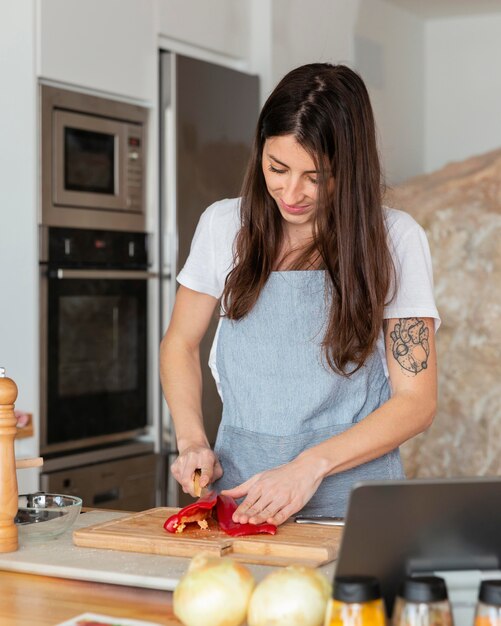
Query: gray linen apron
point(280, 397)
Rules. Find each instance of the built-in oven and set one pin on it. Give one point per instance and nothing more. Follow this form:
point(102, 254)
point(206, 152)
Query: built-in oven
point(95, 418)
point(93, 338)
point(93, 161)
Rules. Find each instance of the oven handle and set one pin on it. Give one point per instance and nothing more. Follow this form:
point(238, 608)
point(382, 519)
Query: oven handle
point(102, 274)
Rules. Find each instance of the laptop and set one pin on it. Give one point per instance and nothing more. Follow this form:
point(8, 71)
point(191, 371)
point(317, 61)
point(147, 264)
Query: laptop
point(396, 529)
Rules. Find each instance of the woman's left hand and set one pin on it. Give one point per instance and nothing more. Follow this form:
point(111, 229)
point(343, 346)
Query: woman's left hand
point(273, 496)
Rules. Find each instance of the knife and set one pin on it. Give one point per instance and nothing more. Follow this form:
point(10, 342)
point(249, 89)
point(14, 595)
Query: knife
point(200, 492)
point(325, 520)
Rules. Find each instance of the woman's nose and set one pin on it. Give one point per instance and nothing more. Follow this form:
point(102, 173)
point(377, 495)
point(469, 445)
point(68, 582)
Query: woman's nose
point(292, 190)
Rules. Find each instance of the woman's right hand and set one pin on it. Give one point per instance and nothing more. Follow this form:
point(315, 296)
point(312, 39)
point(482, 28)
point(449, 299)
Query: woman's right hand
point(196, 457)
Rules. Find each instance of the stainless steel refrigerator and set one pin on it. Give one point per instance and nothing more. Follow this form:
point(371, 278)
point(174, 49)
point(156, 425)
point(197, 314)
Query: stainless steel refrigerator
point(208, 115)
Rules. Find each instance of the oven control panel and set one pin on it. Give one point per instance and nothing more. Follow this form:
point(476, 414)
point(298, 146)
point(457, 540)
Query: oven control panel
point(73, 247)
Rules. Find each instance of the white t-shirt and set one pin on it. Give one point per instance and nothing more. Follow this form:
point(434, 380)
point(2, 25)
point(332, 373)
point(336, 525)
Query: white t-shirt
point(211, 259)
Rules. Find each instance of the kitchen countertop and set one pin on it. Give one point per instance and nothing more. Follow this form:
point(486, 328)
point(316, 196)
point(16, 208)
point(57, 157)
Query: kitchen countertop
point(61, 558)
point(47, 583)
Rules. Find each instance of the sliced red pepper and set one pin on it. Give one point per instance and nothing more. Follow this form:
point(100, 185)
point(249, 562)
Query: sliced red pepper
point(195, 512)
point(225, 508)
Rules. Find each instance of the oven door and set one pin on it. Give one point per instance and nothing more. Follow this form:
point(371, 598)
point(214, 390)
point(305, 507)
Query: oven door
point(90, 161)
point(94, 357)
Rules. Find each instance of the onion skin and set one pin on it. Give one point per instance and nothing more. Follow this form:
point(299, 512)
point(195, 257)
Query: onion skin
point(214, 592)
point(292, 596)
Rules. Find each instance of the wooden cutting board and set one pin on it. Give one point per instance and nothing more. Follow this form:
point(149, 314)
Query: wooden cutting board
point(304, 544)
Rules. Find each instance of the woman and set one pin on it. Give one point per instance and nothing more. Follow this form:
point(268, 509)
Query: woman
point(324, 354)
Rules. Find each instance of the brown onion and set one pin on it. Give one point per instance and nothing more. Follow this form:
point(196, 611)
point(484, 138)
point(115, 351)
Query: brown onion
point(292, 596)
point(214, 592)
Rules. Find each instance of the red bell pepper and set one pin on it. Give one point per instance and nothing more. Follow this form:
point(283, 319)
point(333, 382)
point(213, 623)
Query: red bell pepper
point(196, 512)
point(225, 508)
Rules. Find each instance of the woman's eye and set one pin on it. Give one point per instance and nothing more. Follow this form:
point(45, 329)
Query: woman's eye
point(313, 180)
point(275, 170)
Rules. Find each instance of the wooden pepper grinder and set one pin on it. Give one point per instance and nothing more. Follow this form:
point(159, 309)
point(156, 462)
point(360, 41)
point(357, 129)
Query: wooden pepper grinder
point(8, 478)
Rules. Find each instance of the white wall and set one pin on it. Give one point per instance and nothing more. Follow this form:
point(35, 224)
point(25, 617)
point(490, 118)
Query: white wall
point(18, 215)
point(463, 88)
point(389, 54)
point(384, 43)
point(261, 44)
point(314, 31)
point(434, 83)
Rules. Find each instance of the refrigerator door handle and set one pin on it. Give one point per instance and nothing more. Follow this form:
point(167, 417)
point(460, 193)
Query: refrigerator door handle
point(168, 244)
point(170, 253)
point(169, 172)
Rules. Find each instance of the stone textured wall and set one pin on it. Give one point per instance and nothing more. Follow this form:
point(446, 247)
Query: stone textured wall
point(459, 206)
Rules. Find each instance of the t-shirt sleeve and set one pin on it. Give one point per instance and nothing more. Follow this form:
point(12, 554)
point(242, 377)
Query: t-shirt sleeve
point(200, 271)
point(414, 274)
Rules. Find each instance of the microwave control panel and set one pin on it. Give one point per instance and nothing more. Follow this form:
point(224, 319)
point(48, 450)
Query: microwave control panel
point(135, 163)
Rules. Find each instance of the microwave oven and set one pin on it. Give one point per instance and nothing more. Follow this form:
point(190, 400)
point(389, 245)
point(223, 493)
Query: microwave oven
point(93, 161)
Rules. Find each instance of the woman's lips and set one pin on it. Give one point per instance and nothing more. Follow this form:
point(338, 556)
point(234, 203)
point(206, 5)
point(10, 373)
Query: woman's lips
point(294, 210)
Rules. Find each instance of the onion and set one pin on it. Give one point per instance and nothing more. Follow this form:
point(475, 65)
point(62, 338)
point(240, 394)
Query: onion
point(214, 592)
point(292, 596)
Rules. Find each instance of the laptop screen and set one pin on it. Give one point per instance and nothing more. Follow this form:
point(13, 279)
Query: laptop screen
point(396, 529)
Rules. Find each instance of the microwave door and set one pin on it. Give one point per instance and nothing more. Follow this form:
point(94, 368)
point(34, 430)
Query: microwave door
point(90, 162)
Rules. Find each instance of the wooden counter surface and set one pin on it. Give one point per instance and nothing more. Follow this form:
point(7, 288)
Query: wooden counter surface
point(30, 600)
point(46, 600)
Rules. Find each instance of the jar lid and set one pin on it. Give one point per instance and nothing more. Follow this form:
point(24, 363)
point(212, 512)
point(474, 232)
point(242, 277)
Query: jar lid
point(423, 589)
point(356, 588)
point(490, 592)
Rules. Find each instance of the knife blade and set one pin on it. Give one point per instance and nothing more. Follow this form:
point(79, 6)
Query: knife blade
point(325, 520)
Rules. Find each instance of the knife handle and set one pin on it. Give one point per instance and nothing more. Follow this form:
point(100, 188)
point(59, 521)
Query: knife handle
point(200, 492)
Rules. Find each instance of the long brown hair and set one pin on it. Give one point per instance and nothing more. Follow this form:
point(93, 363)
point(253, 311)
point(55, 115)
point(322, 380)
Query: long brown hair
point(327, 110)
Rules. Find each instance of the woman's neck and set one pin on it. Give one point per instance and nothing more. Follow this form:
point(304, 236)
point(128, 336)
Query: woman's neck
point(296, 253)
point(296, 236)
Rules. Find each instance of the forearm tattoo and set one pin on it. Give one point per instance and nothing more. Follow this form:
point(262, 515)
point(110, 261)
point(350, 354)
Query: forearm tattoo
point(410, 345)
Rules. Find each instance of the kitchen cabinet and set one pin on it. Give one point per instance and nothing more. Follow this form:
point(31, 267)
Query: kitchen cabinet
point(112, 46)
point(106, 46)
point(229, 33)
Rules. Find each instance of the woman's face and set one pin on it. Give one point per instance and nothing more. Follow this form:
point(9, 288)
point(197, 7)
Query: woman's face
point(291, 179)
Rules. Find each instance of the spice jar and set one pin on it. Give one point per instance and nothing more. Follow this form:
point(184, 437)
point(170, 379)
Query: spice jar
point(422, 601)
point(488, 611)
point(356, 601)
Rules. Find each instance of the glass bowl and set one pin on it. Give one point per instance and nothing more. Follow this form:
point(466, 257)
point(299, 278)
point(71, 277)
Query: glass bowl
point(45, 516)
